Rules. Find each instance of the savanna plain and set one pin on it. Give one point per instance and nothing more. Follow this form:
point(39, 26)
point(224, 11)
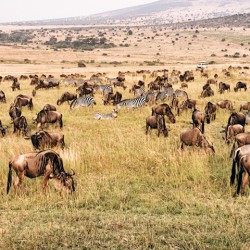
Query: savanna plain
point(134, 191)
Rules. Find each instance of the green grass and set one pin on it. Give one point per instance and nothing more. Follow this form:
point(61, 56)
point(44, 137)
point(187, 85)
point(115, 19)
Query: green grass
point(133, 191)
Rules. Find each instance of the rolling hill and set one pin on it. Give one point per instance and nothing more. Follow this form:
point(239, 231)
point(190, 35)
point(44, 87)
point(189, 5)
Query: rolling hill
point(157, 13)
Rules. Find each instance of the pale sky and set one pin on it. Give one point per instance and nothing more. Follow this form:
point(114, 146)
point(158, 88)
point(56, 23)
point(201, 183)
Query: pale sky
point(27, 10)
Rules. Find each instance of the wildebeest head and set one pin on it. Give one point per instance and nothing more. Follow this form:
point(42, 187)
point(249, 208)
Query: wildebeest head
point(64, 181)
point(203, 143)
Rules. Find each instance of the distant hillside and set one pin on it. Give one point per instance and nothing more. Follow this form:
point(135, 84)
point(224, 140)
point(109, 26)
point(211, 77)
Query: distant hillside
point(238, 20)
point(157, 13)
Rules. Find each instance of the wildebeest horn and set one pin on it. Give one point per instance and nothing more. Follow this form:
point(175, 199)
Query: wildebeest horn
point(26, 137)
point(223, 131)
point(73, 172)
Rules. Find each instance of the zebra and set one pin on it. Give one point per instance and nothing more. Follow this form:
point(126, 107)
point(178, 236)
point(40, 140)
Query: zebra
point(163, 94)
point(112, 115)
point(104, 88)
point(83, 102)
point(139, 92)
point(132, 103)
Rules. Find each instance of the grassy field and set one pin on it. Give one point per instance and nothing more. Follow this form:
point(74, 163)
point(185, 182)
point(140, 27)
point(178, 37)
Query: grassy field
point(134, 191)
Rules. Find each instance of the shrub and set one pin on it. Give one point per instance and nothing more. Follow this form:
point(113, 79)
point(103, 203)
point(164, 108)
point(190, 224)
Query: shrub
point(81, 64)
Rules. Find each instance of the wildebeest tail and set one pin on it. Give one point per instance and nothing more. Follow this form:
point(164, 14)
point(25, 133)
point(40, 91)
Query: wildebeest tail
point(202, 127)
point(31, 104)
point(61, 122)
point(9, 182)
point(233, 173)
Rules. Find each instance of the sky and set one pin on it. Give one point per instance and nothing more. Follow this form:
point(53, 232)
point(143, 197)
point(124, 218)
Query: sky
point(27, 10)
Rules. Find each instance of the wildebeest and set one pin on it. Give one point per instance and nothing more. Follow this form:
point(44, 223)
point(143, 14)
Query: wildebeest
point(14, 111)
point(185, 105)
point(46, 163)
point(210, 111)
point(240, 140)
point(231, 131)
point(207, 92)
point(20, 125)
point(245, 106)
point(2, 129)
point(15, 85)
point(23, 100)
point(225, 104)
point(2, 97)
point(116, 98)
point(198, 119)
point(194, 137)
point(239, 86)
point(240, 154)
point(49, 107)
point(156, 122)
point(44, 117)
point(164, 109)
point(223, 87)
point(43, 139)
point(236, 118)
point(66, 97)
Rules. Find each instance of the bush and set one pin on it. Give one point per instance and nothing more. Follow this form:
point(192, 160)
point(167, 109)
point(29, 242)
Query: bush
point(81, 64)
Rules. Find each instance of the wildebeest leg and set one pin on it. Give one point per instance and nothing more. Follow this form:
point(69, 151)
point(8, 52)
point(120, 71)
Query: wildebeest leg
point(245, 181)
point(45, 182)
point(16, 182)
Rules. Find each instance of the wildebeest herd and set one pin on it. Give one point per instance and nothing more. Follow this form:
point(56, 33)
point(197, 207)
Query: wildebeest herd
point(166, 103)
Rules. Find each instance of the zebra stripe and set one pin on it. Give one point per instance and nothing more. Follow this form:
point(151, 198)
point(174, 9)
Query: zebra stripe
point(132, 103)
point(82, 102)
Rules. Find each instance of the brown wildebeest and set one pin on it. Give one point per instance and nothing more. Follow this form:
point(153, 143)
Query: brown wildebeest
point(23, 100)
point(207, 92)
point(44, 117)
point(156, 122)
point(43, 139)
point(164, 109)
point(223, 87)
point(198, 119)
point(49, 107)
point(240, 154)
point(194, 137)
point(185, 105)
point(240, 140)
point(20, 125)
point(2, 97)
point(47, 163)
point(231, 131)
point(14, 111)
point(212, 81)
point(15, 85)
point(245, 106)
point(225, 104)
point(66, 97)
point(236, 118)
point(239, 86)
point(210, 111)
point(116, 98)
point(2, 129)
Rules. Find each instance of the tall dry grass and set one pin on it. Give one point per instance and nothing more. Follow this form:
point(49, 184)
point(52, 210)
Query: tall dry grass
point(134, 191)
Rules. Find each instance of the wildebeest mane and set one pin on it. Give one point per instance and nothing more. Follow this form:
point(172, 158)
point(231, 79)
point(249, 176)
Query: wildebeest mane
point(56, 161)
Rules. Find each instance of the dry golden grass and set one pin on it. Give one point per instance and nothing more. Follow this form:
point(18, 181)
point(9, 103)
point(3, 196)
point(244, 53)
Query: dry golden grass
point(133, 191)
